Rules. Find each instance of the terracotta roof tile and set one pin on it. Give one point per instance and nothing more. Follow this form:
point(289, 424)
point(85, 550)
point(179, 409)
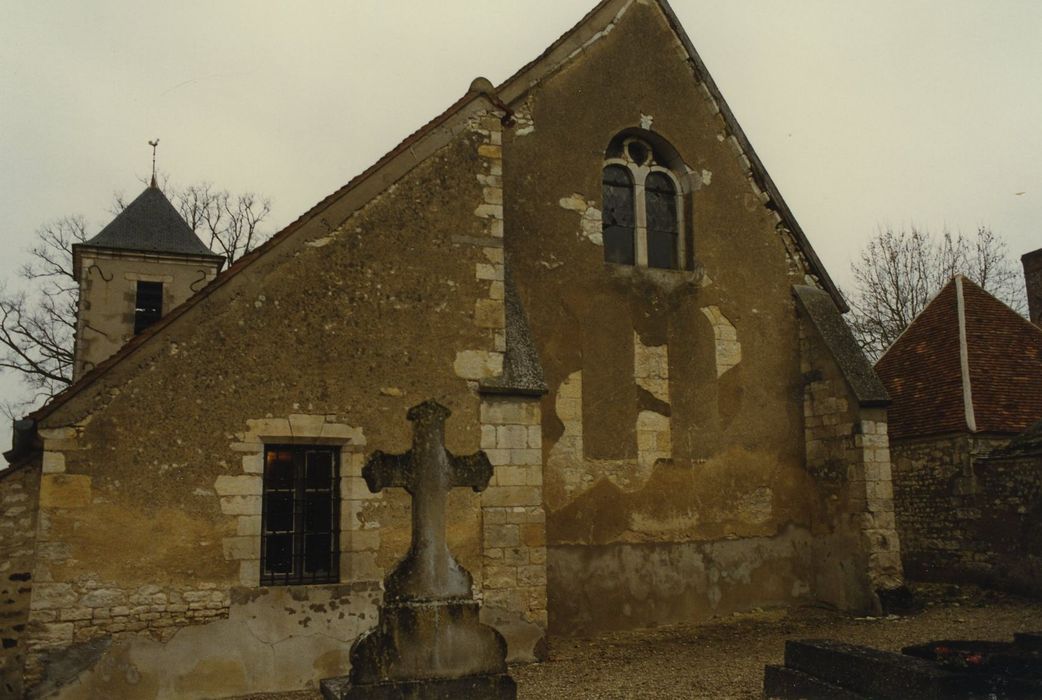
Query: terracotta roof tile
point(923, 370)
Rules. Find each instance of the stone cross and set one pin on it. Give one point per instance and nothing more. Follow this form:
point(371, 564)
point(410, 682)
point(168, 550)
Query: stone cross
point(429, 571)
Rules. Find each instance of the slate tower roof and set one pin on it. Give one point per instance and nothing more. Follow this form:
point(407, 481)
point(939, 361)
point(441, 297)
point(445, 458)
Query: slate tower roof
point(150, 224)
point(967, 363)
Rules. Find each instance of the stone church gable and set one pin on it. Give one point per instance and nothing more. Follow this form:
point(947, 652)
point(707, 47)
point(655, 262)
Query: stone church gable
point(591, 268)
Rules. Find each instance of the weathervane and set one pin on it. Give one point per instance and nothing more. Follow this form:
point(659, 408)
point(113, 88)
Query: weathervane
point(154, 144)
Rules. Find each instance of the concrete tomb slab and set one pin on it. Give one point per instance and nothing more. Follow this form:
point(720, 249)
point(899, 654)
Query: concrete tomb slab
point(956, 669)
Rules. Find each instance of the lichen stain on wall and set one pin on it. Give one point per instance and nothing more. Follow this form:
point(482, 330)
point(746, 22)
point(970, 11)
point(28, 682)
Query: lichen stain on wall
point(278, 639)
point(186, 548)
point(729, 495)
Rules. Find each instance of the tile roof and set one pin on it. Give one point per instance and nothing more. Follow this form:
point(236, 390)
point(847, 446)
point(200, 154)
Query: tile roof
point(856, 369)
point(150, 224)
point(967, 363)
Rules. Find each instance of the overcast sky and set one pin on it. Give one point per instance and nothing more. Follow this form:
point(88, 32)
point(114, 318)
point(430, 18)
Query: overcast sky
point(866, 114)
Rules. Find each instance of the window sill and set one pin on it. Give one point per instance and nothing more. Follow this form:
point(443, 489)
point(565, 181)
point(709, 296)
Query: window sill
point(662, 278)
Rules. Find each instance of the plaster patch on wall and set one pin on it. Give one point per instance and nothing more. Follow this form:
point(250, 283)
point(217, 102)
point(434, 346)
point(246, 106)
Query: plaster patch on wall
point(651, 368)
point(654, 438)
point(645, 121)
point(589, 217)
point(651, 372)
point(728, 349)
point(319, 242)
point(566, 456)
point(755, 506)
point(523, 123)
point(569, 405)
point(707, 177)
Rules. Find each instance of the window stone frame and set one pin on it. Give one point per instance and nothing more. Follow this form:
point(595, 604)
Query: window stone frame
point(240, 494)
point(639, 174)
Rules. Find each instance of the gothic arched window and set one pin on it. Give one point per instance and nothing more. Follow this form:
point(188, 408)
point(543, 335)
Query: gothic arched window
point(642, 218)
point(617, 217)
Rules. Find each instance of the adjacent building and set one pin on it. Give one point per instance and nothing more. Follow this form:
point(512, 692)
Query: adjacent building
point(965, 379)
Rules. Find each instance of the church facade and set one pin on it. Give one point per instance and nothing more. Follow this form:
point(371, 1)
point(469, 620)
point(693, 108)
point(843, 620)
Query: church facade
point(591, 268)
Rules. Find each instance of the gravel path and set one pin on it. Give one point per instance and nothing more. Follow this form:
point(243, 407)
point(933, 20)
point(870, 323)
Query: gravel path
point(725, 658)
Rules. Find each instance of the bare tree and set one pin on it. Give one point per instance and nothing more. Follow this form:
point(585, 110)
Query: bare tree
point(227, 222)
point(38, 316)
point(899, 272)
point(38, 320)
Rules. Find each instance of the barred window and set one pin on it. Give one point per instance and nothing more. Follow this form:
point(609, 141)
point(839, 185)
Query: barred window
point(300, 520)
point(148, 305)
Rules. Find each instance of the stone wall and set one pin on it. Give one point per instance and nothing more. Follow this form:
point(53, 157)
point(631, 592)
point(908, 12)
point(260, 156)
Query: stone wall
point(108, 293)
point(848, 454)
point(966, 518)
point(1010, 502)
point(670, 437)
point(19, 487)
point(148, 558)
point(514, 526)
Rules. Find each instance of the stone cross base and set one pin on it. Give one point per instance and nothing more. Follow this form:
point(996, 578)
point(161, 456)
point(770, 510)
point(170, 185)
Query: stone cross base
point(437, 639)
point(426, 651)
point(499, 687)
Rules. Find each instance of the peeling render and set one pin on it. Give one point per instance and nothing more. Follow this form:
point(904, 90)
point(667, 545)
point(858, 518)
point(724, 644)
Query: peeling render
point(651, 372)
point(601, 588)
point(279, 639)
point(589, 217)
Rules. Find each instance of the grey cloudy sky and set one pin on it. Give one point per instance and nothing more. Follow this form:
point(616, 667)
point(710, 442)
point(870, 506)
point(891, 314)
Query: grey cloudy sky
point(865, 113)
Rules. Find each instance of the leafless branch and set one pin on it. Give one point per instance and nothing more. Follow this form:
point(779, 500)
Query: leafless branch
point(899, 272)
point(38, 322)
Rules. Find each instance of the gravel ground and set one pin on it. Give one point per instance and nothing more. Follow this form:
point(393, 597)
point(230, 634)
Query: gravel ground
point(725, 658)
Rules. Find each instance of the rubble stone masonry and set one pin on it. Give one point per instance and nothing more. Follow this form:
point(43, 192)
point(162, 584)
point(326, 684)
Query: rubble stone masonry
point(848, 453)
point(965, 518)
point(18, 495)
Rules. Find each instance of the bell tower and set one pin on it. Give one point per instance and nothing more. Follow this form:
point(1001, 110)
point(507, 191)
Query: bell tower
point(144, 263)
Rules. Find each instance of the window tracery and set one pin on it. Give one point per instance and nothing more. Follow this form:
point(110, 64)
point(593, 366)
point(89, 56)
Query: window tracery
point(642, 207)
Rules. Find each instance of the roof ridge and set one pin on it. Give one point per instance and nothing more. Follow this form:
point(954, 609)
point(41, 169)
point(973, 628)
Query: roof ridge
point(964, 357)
point(1008, 308)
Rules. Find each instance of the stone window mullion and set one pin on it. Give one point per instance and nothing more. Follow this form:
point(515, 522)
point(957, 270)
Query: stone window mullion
point(640, 236)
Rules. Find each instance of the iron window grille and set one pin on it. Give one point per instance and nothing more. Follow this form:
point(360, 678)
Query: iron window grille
point(300, 516)
point(148, 305)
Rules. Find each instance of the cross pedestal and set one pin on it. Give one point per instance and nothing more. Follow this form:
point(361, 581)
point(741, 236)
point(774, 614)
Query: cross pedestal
point(428, 643)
